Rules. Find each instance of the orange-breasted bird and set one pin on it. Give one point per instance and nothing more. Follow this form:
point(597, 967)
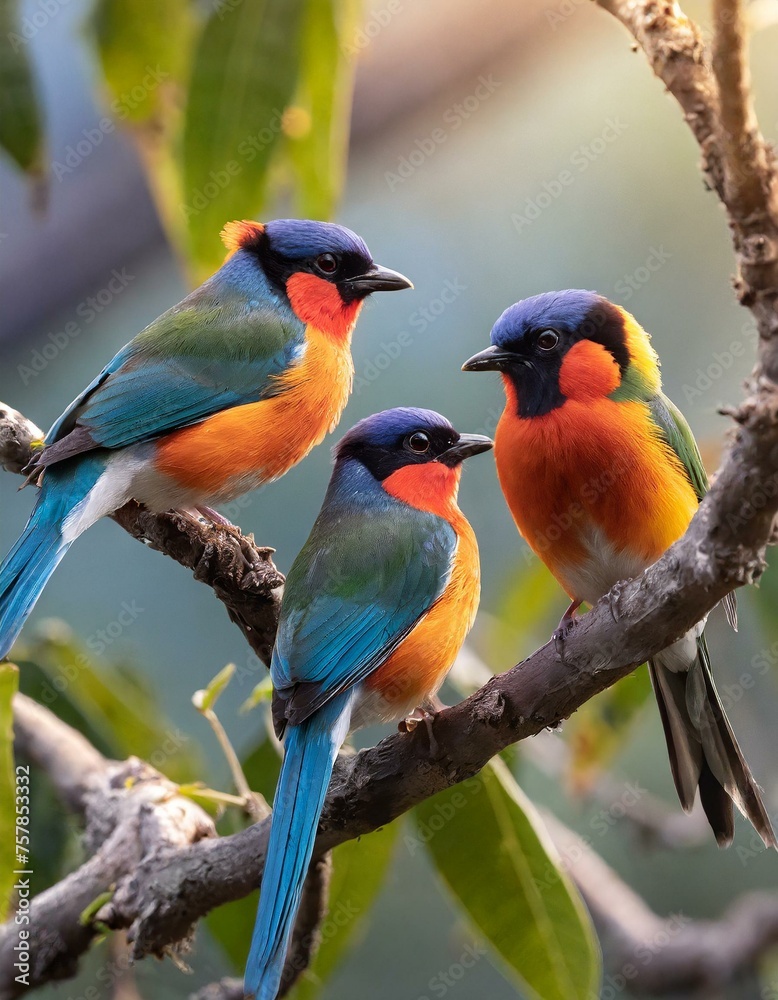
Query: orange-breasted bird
point(224, 392)
point(375, 610)
point(602, 474)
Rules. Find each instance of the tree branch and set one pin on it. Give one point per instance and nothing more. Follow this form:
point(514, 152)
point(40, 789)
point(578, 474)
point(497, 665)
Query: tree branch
point(736, 161)
point(650, 953)
point(647, 953)
point(132, 812)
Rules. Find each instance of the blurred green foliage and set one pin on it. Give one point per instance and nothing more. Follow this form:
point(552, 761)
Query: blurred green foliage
point(225, 105)
point(21, 124)
point(9, 678)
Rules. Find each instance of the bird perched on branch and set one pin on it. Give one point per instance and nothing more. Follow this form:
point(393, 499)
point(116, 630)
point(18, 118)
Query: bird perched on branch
point(602, 474)
point(375, 609)
point(224, 392)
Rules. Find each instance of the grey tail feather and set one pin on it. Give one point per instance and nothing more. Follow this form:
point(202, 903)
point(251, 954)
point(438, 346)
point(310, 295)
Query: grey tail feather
point(729, 603)
point(703, 750)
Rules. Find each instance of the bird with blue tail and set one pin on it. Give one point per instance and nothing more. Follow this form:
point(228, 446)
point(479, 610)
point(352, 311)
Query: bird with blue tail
point(221, 394)
point(375, 610)
point(602, 474)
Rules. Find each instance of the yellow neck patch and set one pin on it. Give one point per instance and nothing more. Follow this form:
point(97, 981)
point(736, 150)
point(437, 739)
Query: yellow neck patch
point(642, 354)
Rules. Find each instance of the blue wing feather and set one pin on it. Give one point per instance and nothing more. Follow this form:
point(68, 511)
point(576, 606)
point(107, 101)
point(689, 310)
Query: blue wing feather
point(217, 349)
point(368, 573)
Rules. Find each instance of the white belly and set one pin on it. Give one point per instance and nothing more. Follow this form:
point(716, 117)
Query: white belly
point(603, 567)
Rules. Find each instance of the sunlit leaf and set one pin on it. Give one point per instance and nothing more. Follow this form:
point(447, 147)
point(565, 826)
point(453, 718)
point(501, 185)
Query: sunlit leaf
point(144, 50)
point(9, 679)
point(492, 851)
point(21, 128)
point(207, 698)
point(260, 694)
point(359, 871)
point(243, 77)
point(317, 126)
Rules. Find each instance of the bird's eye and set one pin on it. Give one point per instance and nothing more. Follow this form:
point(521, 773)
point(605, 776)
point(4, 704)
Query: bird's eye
point(547, 340)
point(418, 442)
point(327, 263)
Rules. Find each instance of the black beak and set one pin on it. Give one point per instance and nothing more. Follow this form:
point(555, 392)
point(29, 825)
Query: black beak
point(467, 445)
point(378, 279)
point(493, 359)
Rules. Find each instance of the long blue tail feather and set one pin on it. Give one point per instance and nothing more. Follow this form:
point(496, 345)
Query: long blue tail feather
point(311, 749)
point(40, 547)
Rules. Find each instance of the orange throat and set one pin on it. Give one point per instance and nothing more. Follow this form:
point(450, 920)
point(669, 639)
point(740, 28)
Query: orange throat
point(417, 668)
point(318, 303)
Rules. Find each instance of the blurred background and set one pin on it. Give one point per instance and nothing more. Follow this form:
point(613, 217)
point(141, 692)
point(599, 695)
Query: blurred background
point(496, 150)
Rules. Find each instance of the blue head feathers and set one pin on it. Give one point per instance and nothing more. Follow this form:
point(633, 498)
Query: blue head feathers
point(389, 429)
point(299, 239)
point(566, 311)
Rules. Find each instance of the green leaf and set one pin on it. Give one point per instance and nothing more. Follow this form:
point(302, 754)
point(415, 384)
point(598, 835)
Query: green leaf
point(21, 129)
point(9, 679)
point(493, 853)
point(359, 869)
point(205, 699)
point(144, 50)
point(243, 77)
point(260, 693)
point(318, 123)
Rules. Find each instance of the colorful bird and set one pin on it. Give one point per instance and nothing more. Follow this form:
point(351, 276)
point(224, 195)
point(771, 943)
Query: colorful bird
point(602, 474)
point(224, 392)
point(375, 609)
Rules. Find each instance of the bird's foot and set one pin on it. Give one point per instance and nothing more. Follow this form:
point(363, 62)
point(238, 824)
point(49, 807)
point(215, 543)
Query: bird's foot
point(561, 632)
point(614, 596)
point(215, 517)
point(207, 514)
point(411, 721)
